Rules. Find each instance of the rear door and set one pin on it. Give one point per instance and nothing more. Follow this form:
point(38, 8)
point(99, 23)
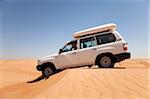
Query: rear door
point(87, 52)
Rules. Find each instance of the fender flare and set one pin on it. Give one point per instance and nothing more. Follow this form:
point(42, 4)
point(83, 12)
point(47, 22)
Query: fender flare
point(44, 65)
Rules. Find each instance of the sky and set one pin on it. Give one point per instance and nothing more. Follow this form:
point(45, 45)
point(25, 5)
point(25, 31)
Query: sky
point(35, 28)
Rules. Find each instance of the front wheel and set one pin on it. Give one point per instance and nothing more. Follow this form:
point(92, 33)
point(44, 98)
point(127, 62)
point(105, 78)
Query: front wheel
point(105, 62)
point(47, 71)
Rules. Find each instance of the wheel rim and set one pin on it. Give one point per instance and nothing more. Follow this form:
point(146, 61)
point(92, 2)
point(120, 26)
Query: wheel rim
point(105, 61)
point(48, 71)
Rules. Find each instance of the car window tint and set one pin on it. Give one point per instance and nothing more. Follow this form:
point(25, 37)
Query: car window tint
point(87, 42)
point(105, 38)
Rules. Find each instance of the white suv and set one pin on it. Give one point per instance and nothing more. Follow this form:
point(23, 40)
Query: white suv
point(101, 45)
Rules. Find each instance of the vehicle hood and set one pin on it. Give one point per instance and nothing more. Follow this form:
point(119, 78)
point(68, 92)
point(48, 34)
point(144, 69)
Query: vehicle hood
point(52, 56)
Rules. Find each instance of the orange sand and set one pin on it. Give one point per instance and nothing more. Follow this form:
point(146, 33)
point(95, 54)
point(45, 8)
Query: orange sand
point(128, 80)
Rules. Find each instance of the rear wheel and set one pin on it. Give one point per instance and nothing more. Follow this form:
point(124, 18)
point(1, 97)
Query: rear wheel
point(105, 61)
point(47, 71)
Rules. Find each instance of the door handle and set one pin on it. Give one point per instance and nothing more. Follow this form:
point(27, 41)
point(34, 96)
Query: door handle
point(93, 49)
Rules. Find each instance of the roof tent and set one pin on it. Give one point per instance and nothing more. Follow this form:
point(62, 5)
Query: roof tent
point(98, 29)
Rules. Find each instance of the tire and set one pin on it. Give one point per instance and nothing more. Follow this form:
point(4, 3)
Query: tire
point(105, 61)
point(47, 71)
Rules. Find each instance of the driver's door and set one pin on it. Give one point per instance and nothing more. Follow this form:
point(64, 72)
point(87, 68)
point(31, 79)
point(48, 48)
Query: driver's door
point(68, 58)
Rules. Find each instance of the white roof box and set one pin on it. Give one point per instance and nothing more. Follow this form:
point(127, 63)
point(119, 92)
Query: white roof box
point(102, 28)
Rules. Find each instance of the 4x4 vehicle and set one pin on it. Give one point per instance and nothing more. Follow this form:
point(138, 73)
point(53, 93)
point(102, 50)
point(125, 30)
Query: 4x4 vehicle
point(101, 45)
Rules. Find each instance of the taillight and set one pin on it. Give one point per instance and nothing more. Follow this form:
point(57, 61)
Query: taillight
point(125, 47)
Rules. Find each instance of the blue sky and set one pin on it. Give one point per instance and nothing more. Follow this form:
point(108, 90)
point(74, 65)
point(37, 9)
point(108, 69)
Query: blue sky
point(34, 28)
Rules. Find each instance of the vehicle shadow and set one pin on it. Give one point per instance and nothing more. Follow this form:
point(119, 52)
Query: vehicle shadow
point(119, 68)
point(104, 68)
point(43, 77)
point(37, 79)
point(58, 71)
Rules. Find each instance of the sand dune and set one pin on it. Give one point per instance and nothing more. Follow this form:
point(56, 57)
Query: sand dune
point(128, 80)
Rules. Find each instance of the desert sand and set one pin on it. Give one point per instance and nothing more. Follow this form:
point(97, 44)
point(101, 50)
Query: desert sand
point(129, 79)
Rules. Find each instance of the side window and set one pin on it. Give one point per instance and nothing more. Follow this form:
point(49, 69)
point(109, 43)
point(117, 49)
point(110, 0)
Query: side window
point(106, 38)
point(67, 48)
point(70, 46)
point(87, 42)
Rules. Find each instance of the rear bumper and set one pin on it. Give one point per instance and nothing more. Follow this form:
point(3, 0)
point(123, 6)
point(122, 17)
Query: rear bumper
point(122, 56)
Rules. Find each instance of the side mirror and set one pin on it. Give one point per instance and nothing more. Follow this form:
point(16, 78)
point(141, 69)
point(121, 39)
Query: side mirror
point(60, 50)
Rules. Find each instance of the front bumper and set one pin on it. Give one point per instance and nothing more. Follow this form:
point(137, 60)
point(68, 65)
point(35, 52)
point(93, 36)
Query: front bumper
point(122, 56)
point(39, 67)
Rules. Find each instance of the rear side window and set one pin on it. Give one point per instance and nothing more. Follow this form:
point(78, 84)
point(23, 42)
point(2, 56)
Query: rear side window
point(87, 42)
point(106, 38)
